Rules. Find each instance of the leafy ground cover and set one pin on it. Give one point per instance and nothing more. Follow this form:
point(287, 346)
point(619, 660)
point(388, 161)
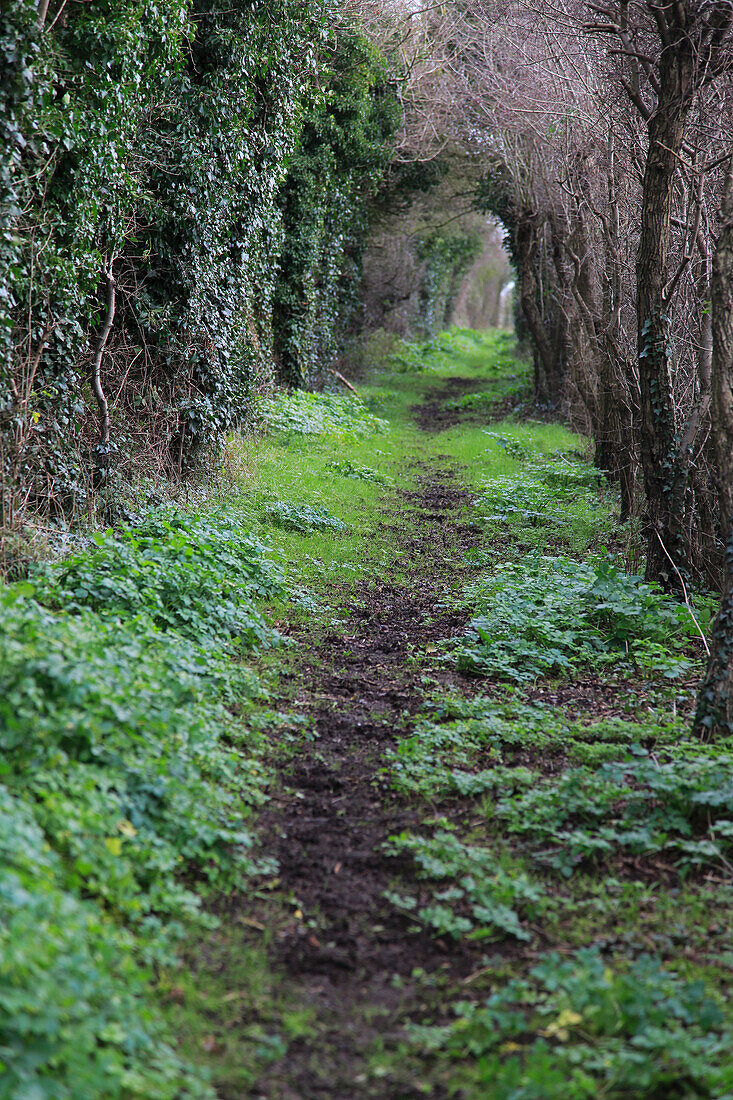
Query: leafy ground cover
point(126, 782)
point(449, 838)
point(576, 1027)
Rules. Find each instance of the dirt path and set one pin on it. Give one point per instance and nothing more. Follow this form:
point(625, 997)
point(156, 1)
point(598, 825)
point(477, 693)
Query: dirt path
point(349, 952)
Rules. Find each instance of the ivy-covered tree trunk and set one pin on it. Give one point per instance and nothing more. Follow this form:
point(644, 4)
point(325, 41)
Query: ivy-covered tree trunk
point(714, 716)
point(663, 466)
point(548, 368)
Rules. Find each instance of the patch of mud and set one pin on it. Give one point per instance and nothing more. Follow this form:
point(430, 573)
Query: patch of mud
point(439, 412)
point(436, 413)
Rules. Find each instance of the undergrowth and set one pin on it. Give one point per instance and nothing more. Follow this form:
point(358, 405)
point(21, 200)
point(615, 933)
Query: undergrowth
point(681, 808)
point(312, 414)
point(197, 575)
point(578, 1028)
point(555, 614)
point(467, 747)
point(304, 518)
point(492, 353)
point(128, 773)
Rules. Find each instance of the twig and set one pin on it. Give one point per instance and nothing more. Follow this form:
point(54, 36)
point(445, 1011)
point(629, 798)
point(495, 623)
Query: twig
point(684, 593)
point(97, 364)
point(345, 381)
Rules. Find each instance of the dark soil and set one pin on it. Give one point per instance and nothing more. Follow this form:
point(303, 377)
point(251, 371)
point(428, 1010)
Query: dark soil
point(436, 414)
point(352, 953)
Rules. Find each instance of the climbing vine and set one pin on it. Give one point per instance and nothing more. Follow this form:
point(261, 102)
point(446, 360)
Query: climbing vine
point(342, 155)
point(219, 161)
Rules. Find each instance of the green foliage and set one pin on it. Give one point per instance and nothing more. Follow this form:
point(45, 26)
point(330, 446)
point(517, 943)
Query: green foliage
point(113, 739)
point(114, 731)
point(462, 746)
point(638, 806)
point(125, 766)
point(73, 1020)
point(343, 152)
point(346, 468)
point(577, 1029)
point(140, 134)
point(489, 352)
point(447, 257)
point(483, 899)
point(197, 575)
point(414, 357)
point(299, 413)
point(517, 448)
point(554, 614)
point(303, 518)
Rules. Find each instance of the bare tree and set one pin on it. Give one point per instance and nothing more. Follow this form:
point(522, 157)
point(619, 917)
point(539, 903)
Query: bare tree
point(669, 53)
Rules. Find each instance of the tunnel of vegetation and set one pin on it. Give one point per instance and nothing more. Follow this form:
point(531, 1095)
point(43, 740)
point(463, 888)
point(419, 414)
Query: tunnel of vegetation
point(208, 213)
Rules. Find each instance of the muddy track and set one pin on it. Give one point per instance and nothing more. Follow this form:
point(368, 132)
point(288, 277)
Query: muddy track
point(349, 953)
point(437, 413)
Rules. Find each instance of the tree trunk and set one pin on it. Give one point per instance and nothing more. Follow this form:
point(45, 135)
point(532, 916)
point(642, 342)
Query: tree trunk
point(546, 367)
point(663, 466)
point(714, 717)
point(611, 416)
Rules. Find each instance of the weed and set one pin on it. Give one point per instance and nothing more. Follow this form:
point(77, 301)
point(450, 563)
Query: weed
point(303, 518)
point(346, 468)
point(482, 899)
point(197, 575)
point(317, 414)
point(683, 808)
point(127, 782)
point(549, 499)
point(577, 1029)
point(552, 614)
point(73, 1010)
point(460, 747)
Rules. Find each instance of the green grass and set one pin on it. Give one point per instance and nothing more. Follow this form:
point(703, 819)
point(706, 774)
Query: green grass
point(229, 1009)
point(268, 472)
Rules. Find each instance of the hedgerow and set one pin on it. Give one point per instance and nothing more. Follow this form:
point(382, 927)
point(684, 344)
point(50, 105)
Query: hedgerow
point(216, 161)
point(343, 152)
